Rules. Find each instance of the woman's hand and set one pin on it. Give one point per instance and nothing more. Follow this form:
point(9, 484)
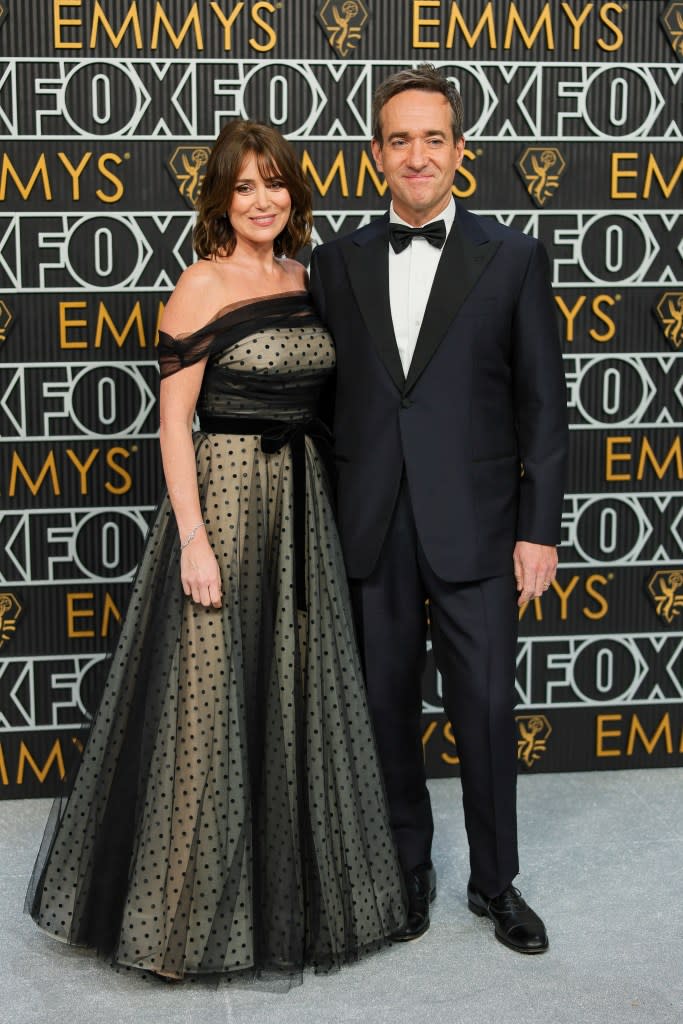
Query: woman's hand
point(199, 573)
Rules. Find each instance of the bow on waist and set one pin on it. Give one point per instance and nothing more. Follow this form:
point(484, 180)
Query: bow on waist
point(275, 434)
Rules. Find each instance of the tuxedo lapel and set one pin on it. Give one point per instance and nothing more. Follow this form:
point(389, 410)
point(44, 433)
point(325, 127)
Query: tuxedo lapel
point(466, 254)
point(367, 263)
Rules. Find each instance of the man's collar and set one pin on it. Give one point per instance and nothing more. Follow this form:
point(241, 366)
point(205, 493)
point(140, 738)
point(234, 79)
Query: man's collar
point(447, 216)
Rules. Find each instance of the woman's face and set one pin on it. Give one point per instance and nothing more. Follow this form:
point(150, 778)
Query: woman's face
point(260, 207)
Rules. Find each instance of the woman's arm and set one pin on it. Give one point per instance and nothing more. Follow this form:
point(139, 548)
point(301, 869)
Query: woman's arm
point(178, 395)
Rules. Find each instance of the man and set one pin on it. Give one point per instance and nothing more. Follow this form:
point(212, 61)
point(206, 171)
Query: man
point(451, 437)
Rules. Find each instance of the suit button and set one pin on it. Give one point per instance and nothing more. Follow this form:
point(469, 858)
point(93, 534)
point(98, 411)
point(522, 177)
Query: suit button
point(406, 403)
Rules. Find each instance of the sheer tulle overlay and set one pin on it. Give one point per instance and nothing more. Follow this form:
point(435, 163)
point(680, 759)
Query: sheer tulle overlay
point(228, 815)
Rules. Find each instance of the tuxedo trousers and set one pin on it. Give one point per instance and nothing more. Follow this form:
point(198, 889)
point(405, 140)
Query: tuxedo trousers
point(473, 628)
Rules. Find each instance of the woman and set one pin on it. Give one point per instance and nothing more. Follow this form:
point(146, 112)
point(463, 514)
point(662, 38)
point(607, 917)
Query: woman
point(228, 815)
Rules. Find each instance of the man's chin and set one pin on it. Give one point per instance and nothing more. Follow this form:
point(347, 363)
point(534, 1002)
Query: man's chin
point(419, 202)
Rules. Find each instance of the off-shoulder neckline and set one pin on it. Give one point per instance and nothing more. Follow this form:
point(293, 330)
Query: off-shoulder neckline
point(234, 307)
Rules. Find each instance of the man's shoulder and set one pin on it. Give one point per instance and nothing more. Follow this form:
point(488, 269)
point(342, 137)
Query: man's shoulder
point(354, 238)
point(487, 227)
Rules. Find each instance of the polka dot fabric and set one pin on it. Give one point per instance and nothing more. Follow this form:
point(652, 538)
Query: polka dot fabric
point(228, 815)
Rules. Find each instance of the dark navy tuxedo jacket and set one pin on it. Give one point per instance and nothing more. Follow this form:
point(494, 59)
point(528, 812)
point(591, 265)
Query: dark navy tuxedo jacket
point(479, 424)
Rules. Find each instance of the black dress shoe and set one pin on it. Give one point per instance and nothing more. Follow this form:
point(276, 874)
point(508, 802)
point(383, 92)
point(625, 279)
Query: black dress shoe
point(517, 926)
point(421, 891)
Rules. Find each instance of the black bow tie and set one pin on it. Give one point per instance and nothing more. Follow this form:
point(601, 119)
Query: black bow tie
point(401, 236)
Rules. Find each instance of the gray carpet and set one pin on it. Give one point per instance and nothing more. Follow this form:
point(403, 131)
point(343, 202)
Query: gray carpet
point(602, 858)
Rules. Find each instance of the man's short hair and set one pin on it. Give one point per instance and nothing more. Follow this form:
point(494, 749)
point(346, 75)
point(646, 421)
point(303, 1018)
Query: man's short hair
point(426, 78)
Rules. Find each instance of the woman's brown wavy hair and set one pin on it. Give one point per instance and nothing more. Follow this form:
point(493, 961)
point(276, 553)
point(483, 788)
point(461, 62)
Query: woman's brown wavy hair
point(213, 233)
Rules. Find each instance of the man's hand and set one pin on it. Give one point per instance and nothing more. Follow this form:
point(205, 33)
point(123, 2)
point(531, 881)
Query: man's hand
point(535, 568)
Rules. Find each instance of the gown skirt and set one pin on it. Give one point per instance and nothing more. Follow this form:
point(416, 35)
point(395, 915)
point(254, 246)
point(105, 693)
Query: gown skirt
point(228, 815)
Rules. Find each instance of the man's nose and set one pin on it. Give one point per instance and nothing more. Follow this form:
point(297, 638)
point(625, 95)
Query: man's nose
point(417, 153)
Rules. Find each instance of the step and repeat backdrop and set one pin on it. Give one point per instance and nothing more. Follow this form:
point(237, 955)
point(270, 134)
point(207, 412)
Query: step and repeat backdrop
point(574, 115)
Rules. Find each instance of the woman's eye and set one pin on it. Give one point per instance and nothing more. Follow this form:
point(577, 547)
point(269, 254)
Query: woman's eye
point(244, 190)
point(276, 183)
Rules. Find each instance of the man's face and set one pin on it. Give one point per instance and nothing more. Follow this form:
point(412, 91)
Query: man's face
point(418, 156)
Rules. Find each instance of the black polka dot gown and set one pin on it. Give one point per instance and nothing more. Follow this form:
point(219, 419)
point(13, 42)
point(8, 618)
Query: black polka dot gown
point(228, 815)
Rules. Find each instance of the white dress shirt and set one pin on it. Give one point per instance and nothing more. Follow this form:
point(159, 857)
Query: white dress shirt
point(411, 275)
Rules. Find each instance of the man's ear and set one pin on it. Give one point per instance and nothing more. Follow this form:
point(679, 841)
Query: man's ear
point(377, 154)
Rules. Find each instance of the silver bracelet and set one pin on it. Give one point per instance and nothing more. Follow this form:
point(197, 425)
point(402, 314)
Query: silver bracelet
point(191, 536)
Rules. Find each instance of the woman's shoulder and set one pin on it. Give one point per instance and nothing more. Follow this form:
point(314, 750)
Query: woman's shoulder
point(199, 292)
point(199, 276)
point(297, 272)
